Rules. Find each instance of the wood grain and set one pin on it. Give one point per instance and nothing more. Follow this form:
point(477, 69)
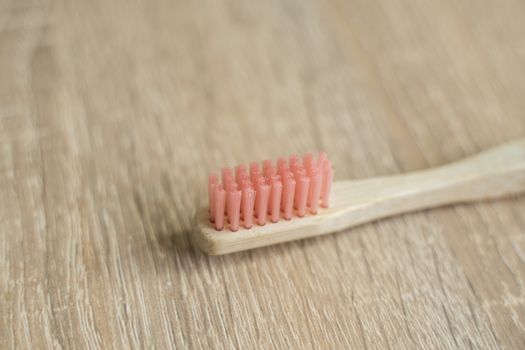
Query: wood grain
point(113, 112)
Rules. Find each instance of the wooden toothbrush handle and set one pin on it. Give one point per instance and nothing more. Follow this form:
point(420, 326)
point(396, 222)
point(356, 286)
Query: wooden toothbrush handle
point(494, 173)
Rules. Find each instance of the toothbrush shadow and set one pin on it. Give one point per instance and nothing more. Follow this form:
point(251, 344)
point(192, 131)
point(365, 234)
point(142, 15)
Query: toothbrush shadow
point(165, 240)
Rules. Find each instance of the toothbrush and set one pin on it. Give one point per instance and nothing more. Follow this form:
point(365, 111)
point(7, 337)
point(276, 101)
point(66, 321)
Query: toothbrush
point(296, 199)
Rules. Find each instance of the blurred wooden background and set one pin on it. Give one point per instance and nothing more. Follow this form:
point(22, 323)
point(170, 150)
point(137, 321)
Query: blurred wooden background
point(113, 112)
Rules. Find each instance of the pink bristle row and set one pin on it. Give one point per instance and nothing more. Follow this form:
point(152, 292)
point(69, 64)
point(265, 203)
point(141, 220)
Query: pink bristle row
point(269, 193)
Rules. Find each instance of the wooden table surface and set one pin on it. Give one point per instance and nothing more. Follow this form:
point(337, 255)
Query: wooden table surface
point(113, 112)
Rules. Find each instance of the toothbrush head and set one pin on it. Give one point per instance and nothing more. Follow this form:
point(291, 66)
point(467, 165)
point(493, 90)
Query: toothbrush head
point(268, 194)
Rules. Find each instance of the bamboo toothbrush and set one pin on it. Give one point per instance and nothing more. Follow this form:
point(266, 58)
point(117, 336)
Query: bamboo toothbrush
point(292, 200)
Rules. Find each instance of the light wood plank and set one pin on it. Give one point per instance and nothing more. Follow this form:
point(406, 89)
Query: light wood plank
point(112, 113)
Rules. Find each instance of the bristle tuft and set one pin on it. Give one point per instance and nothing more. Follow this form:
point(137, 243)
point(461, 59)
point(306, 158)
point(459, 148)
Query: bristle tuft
point(248, 202)
point(288, 196)
point(315, 190)
point(303, 183)
point(212, 183)
point(275, 201)
point(328, 176)
point(261, 202)
point(234, 206)
point(220, 202)
point(226, 175)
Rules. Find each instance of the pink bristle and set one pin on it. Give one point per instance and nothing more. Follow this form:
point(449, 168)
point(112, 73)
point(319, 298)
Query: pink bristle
point(320, 161)
point(244, 179)
point(258, 183)
point(275, 200)
point(301, 194)
point(269, 172)
point(241, 178)
point(328, 177)
point(281, 166)
point(261, 203)
point(298, 175)
point(311, 173)
point(212, 183)
point(281, 162)
point(274, 179)
point(248, 202)
point(298, 171)
point(230, 185)
point(315, 190)
point(226, 175)
point(227, 179)
point(254, 171)
point(220, 202)
point(307, 162)
point(292, 162)
point(288, 196)
point(266, 164)
point(270, 180)
point(239, 171)
point(285, 176)
point(246, 184)
point(320, 165)
point(234, 205)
